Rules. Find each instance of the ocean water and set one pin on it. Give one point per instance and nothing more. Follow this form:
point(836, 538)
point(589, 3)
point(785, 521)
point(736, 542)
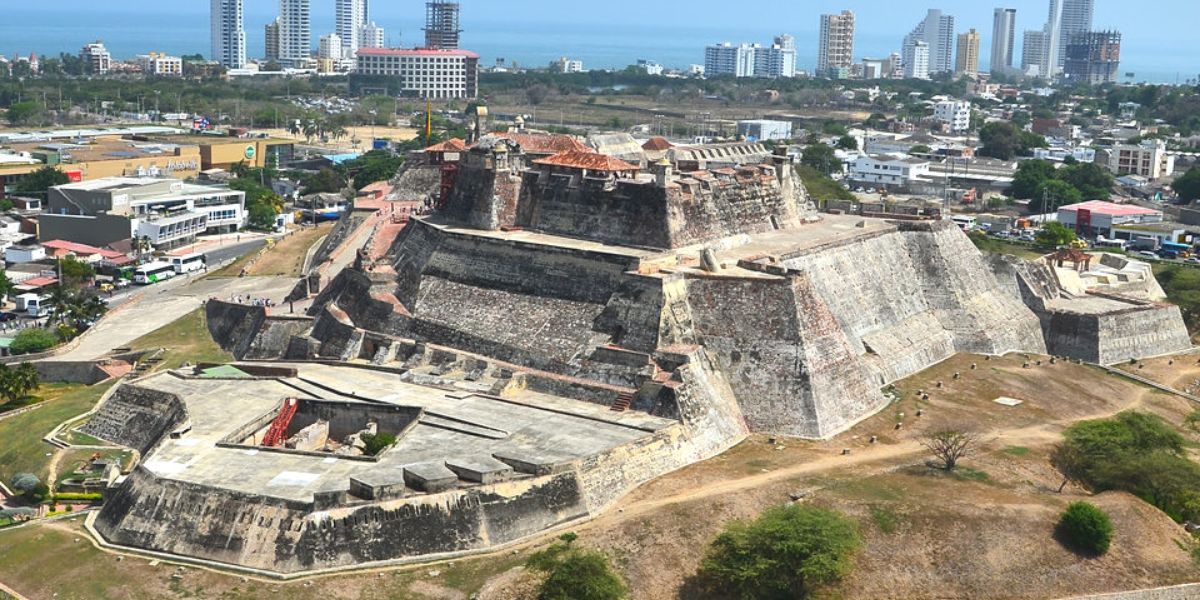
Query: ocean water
point(182, 28)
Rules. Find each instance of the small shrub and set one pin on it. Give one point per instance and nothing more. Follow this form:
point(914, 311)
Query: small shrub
point(78, 497)
point(33, 340)
point(576, 574)
point(374, 444)
point(1085, 529)
point(788, 552)
point(884, 519)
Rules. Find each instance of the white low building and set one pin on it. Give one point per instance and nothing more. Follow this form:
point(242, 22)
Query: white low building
point(889, 170)
point(955, 115)
point(1148, 159)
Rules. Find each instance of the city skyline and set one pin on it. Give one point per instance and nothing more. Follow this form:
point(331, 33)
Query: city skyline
point(501, 34)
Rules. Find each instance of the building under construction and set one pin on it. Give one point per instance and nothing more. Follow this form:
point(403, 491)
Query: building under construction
point(1093, 57)
point(442, 28)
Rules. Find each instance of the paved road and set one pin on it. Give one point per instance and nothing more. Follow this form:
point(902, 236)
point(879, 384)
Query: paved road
point(150, 308)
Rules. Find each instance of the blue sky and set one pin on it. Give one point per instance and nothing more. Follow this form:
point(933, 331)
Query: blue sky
point(1158, 34)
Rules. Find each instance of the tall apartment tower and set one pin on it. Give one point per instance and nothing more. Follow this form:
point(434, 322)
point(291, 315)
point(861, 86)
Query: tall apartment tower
point(228, 33)
point(442, 28)
point(916, 60)
point(1033, 52)
point(271, 36)
point(351, 17)
point(1004, 37)
point(967, 62)
point(295, 32)
point(1067, 18)
point(835, 54)
point(937, 31)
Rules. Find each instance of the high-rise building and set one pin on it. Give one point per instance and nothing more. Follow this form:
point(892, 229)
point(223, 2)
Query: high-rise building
point(777, 61)
point(937, 31)
point(836, 51)
point(295, 32)
point(916, 60)
point(351, 17)
point(1033, 53)
point(370, 36)
point(442, 29)
point(727, 59)
point(96, 59)
point(228, 33)
point(1093, 57)
point(1004, 34)
point(1065, 19)
point(1076, 18)
point(271, 32)
point(967, 62)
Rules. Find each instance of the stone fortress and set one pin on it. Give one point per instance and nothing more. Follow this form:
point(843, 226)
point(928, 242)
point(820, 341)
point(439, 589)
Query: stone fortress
point(569, 325)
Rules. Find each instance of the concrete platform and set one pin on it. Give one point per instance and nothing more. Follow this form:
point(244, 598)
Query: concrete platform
point(465, 430)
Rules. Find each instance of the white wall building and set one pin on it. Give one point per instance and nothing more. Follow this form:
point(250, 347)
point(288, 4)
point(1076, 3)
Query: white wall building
point(161, 65)
point(954, 113)
point(727, 59)
point(567, 65)
point(295, 33)
point(937, 31)
point(916, 60)
point(228, 33)
point(1148, 159)
point(425, 72)
point(330, 47)
point(96, 59)
point(350, 17)
point(1004, 33)
point(889, 170)
point(762, 130)
point(371, 36)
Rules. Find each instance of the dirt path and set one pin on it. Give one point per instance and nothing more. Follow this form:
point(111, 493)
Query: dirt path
point(1035, 435)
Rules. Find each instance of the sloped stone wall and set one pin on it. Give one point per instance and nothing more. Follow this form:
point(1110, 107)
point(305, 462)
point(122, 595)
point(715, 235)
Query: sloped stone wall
point(136, 417)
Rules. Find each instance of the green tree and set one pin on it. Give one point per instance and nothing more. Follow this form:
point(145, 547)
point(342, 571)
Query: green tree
point(25, 113)
point(16, 383)
point(41, 180)
point(75, 272)
point(1053, 235)
point(1093, 181)
point(920, 149)
point(262, 217)
point(374, 444)
point(1005, 141)
point(376, 165)
point(1053, 194)
point(1188, 185)
point(6, 285)
point(324, 181)
point(1031, 174)
point(788, 552)
point(820, 157)
point(847, 142)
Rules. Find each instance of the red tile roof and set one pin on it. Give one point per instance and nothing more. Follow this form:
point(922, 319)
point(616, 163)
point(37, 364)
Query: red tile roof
point(38, 282)
point(657, 143)
point(451, 145)
point(587, 160)
point(1100, 207)
point(414, 52)
point(84, 249)
point(545, 143)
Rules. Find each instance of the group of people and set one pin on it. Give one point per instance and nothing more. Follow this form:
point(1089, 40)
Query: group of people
point(265, 302)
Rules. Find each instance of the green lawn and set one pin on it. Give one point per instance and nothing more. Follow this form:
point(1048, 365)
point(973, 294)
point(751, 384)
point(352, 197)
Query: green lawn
point(820, 187)
point(987, 243)
point(73, 462)
point(1182, 285)
point(186, 340)
point(23, 450)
